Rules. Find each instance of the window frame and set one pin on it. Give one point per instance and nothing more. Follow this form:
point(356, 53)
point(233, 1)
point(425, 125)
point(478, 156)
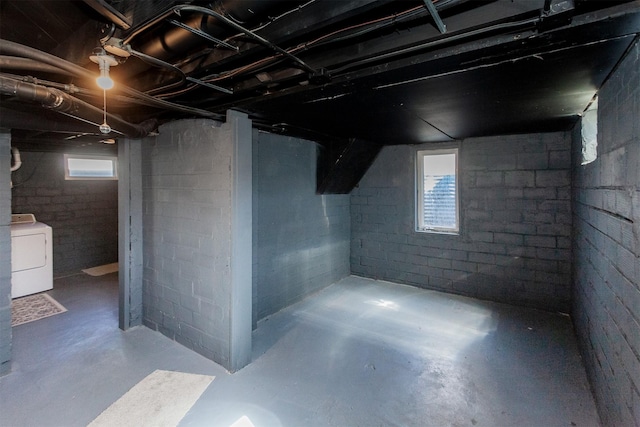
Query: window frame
point(419, 194)
point(112, 159)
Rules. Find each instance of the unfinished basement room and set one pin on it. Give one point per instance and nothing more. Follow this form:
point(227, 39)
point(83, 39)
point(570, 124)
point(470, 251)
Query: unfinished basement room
point(300, 213)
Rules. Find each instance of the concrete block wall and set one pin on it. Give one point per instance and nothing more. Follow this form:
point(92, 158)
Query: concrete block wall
point(515, 209)
point(83, 214)
point(606, 292)
point(301, 239)
point(5, 252)
point(187, 235)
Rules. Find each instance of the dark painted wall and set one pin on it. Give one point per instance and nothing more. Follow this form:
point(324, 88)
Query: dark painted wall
point(189, 182)
point(515, 240)
point(301, 239)
point(606, 295)
point(83, 214)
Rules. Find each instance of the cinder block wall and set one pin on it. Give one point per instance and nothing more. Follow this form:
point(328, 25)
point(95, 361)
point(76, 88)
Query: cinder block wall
point(186, 217)
point(301, 239)
point(606, 294)
point(5, 252)
point(187, 230)
point(83, 214)
point(515, 239)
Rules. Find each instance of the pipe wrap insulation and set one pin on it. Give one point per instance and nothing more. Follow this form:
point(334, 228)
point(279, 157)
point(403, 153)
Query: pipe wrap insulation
point(61, 102)
point(26, 64)
point(17, 49)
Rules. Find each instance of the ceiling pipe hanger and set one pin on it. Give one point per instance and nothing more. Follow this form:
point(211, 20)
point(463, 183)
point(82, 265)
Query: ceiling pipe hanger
point(434, 14)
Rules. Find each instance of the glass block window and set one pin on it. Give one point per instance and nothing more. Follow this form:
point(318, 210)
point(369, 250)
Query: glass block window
point(437, 191)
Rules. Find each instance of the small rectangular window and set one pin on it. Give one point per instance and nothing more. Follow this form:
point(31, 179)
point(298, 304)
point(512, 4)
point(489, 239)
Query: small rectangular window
point(589, 133)
point(90, 167)
point(437, 191)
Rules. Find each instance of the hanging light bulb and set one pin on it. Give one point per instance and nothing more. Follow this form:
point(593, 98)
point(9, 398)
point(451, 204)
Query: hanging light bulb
point(104, 61)
point(104, 81)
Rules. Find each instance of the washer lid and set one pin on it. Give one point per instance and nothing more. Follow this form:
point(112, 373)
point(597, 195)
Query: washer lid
point(23, 218)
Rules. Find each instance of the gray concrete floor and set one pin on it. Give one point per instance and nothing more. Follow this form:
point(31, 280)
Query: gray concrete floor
point(359, 353)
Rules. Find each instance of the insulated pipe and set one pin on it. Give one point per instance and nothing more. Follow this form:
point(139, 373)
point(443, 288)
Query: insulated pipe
point(38, 55)
point(17, 162)
point(26, 64)
point(66, 104)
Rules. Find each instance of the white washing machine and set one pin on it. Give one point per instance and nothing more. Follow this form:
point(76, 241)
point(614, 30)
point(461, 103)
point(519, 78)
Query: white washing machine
point(31, 256)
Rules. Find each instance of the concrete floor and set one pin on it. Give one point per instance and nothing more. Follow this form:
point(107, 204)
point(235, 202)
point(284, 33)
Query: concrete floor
point(359, 353)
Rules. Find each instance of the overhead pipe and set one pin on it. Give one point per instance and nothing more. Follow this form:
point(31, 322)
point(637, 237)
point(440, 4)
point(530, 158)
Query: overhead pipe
point(239, 11)
point(247, 32)
point(17, 162)
point(64, 103)
point(228, 21)
point(38, 55)
point(182, 76)
point(191, 32)
point(71, 89)
point(11, 118)
point(26, 64)
point(530, 22)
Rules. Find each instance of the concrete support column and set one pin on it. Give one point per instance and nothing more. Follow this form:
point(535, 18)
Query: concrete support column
point(5, 251)
point(197, 214)
point(241, 241)
point(130, 232)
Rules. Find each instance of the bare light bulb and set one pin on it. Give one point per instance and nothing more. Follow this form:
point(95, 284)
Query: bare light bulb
point(104, 81)
point(104, 62)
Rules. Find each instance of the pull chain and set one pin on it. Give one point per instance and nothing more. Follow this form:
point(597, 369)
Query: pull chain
point(104, 127)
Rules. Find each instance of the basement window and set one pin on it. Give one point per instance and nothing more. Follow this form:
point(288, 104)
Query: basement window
point(437, 206)
point(90, 167)
point(589, 133)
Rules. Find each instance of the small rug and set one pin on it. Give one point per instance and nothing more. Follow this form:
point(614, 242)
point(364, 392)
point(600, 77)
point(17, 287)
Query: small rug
point(101, 270)
point(161, 399)
point(34, 307)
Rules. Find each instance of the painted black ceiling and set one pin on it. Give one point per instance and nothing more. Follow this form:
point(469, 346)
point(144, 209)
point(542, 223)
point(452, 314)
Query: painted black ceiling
point(374, 71)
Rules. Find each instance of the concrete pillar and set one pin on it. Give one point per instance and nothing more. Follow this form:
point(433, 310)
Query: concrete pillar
point(197, 214)
point(5, 251)
point(241, 241)
point(130, 232)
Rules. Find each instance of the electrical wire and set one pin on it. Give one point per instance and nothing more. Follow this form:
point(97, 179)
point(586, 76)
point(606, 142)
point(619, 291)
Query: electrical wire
point(389, 19)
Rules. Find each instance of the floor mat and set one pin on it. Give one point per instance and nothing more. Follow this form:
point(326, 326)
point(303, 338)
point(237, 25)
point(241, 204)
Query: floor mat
point(101, 270)
point(34, 307)
point(163, 398)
